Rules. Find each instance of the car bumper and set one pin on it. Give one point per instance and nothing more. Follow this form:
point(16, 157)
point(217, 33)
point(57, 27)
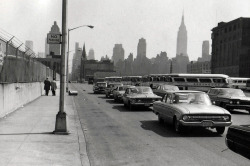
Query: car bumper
point(235, 106)
point(142, 104)
point(202, 124)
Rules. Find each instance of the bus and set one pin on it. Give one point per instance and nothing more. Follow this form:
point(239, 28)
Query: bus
point(113, 79)
point(239, 83)
point(248, 85)
point(131, 80)
point(200, 82)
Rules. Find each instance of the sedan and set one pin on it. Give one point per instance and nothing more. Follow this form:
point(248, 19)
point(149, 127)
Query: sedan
point(191, 109)
point(119, 91)
point(139, 96)
point(230, 98)
point(162, 89)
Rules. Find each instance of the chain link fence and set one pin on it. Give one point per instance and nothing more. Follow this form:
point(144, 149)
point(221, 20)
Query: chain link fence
point(18, 63)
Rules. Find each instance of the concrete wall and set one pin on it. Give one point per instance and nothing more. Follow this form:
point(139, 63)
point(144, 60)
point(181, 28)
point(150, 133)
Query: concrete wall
point(15, 95)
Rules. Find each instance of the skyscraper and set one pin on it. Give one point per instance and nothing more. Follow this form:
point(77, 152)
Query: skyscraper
point(182, 39)
point(141, 48)
point(91, 54)
point(29, 45)
point(55, 48)
point(118, 53)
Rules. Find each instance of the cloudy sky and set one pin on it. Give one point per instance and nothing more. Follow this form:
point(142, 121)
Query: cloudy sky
point(121, 21)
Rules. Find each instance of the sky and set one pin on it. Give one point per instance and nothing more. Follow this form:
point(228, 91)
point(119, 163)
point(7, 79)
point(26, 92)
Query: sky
point(121, 22)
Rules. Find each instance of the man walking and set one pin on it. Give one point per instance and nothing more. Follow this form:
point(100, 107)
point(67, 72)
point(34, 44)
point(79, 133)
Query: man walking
point(47, 86)
point(53, 87)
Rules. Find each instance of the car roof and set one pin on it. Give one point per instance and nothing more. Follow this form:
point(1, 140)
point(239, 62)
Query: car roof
point(185, 91)
point(101, 82)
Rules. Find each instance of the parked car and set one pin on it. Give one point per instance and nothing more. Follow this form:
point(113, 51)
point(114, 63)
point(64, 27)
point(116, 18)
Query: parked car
point(99, 87)
point(191, 109)
point(238, 139)
point(139, 96)
point(162, 89)
point(110, 88)
point(119, 91)
point(229, 98)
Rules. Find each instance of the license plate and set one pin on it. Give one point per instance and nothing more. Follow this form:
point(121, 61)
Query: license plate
point(147, 105)
point(207, 124)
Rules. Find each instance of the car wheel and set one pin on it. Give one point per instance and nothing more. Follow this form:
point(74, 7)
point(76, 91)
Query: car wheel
point(220, 130)
point(178, 128)
point(160, 119)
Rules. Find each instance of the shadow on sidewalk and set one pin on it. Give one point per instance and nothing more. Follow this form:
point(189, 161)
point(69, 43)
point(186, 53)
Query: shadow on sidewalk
point(26, 133)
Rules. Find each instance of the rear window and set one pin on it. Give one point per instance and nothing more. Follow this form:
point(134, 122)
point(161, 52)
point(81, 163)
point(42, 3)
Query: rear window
point(179, 79)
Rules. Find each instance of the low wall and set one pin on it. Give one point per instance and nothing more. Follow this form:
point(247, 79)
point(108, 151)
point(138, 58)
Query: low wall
point(15, 95)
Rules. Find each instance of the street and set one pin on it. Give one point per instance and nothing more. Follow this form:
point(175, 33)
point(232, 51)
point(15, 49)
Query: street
point(117, 136)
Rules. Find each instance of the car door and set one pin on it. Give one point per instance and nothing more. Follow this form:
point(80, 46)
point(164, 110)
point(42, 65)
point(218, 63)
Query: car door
point(125, 96)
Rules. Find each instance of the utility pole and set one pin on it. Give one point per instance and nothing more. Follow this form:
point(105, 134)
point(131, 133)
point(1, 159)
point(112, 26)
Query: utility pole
point(61, 123)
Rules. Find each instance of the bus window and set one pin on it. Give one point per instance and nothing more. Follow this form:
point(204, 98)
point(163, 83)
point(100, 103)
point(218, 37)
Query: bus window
point(179, 79)
point(205, 80)
point(192, 79)
point(219, 80)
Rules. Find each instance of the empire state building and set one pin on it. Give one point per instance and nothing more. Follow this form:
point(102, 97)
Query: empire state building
point(181, 48)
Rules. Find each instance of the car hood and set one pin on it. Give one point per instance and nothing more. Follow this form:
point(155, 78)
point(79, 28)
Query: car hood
point(200, 109)
point(241, 98)
point(149, 95)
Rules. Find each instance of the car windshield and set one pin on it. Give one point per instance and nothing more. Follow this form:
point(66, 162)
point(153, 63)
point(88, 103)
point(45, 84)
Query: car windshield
point(172, 88)
point(143, 90)
point(101, 84)
point(232, 92)
point(192, 98)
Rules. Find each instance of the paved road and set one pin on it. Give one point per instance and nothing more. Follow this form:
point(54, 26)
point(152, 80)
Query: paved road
point(117, 136)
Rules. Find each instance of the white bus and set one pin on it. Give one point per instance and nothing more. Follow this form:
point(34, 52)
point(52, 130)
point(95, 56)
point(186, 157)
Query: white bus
point(239, 83)
point(131, 80)
point(200, 82)
point(113, 79)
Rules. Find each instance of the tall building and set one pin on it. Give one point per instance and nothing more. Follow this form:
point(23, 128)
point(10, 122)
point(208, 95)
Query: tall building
point(91, 54)
point(231, 48)
point(76, 62)
point(118, 53)
point(199, 67)
point(55, 49)
point(205, 52)
point(179, 64)
point(141, 48)
point(181, 47)
point(29, 45)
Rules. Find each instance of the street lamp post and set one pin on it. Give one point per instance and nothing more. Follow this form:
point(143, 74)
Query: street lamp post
point(90, 26)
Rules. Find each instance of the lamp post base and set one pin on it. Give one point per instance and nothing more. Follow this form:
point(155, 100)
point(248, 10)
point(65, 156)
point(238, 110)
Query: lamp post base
point(61, 124)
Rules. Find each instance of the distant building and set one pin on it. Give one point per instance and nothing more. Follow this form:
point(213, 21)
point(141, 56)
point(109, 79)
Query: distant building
point(205, 52)
point(91, 55)
point(199, 67)
point(55, 49)
point(141, 48)
point(181, 47)
point(46, 48)
point(41, 55)
point(118, 53)
point(231, 48)
point(180, 62)
point(91, 67)
point(29, 45)
point(76, 62)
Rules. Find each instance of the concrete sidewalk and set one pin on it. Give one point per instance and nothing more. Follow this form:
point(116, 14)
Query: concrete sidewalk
point(26, 135)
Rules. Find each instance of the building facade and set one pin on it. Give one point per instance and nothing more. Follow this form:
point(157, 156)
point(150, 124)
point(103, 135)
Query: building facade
point(55, 49)
point(118, 53)
point(29, 45)
point(91, 55)
point(141, 49)
point(199, 67)
point(231, 48)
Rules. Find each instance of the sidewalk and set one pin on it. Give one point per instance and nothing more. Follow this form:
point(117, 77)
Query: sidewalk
point(26, 135)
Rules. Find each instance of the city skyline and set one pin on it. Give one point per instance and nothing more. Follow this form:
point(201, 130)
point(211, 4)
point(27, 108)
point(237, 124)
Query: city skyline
point(116, 21)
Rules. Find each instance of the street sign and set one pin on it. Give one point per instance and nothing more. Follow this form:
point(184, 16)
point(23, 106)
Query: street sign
point(53, 38)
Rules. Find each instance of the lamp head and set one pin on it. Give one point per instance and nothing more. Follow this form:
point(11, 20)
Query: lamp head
point(90, 26)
